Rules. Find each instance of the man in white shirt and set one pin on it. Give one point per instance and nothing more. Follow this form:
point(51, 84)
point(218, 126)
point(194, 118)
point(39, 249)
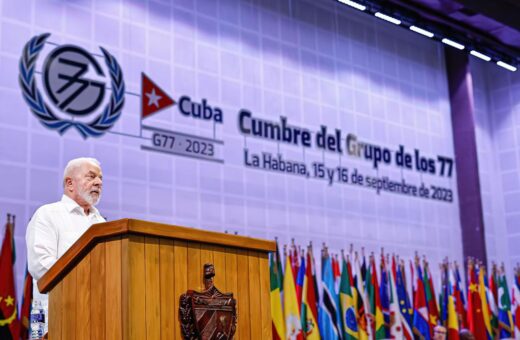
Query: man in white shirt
point(55, 227)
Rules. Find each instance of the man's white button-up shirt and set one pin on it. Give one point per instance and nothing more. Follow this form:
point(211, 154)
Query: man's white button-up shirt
point(53, 229)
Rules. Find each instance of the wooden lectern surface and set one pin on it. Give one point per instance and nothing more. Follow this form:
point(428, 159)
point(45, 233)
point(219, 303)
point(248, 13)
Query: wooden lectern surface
point(123, 280)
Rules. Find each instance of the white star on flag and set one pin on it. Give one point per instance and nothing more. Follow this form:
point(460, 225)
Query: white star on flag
point(153, 98)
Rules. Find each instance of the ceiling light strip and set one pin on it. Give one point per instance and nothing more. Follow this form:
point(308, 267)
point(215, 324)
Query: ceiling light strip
point(353, 4)
point(453, 44)
point(428, 34)
point(506, 66)
point(480, 55)
point(422, 31)
point(388, 18)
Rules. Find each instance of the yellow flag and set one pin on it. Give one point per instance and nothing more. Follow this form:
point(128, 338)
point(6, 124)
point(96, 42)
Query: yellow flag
point(293, 325)
point(453, 322)
point(483, 298)
point(312, 332)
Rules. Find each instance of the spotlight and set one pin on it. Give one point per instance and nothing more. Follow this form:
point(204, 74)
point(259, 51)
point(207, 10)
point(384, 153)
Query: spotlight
point(421, 31)
point(353, 4)
point(453, 44)
point(388, 18)
point(506, 66)
point(480, 55)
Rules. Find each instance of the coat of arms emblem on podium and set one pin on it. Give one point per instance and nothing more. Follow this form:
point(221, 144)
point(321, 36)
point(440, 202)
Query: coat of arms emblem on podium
point(210, 314)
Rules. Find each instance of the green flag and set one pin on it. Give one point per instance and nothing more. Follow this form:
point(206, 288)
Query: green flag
point(348, 310)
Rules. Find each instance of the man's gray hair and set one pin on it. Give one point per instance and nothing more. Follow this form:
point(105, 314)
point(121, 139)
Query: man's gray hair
point(74, 164)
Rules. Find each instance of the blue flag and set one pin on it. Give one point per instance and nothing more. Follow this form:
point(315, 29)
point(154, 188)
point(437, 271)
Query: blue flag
point(328, 314)
point(385, 297)
point(405, 308)
point(420, 310)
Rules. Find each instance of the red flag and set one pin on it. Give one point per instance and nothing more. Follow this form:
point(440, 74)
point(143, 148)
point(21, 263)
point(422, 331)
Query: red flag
point(350, 276)
point(10, 325)
point(414, 283)
point(293, 257)
point(335, 269)
point(515, 307)
point(459, 307)
point(459, 298)
point(421, 324)
point(310, 310)
point(475, 316)
point(430, 297)
point(25, 312)
point(394, 268)
point(300, 278)
point(493, 282)
point(153, 98)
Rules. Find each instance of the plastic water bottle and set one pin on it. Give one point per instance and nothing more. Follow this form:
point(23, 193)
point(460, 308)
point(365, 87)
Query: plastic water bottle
point(37, 320)
point(45, 312)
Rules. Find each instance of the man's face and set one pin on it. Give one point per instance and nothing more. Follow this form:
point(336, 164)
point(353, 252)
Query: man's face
point(86, 184)
point(439, 333)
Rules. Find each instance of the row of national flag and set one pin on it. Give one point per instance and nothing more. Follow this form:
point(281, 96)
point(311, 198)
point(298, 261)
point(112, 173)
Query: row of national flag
point(382, 297)
point(14, 324)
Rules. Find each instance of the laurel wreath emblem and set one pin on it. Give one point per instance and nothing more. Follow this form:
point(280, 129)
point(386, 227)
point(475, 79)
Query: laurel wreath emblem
point(45, 114)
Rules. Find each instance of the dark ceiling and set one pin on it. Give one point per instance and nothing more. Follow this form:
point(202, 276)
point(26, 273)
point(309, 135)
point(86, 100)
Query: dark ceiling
point(491, 23)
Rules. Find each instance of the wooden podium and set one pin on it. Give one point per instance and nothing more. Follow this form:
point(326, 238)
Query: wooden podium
point(123, 280)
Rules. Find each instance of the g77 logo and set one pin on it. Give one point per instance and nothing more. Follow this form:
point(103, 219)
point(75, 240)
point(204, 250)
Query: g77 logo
point(69, 89)
point(64, 82)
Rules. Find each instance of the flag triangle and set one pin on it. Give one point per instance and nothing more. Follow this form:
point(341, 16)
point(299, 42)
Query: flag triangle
point(153, 98)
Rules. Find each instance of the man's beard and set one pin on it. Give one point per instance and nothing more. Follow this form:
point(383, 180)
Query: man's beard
point(89, 198)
